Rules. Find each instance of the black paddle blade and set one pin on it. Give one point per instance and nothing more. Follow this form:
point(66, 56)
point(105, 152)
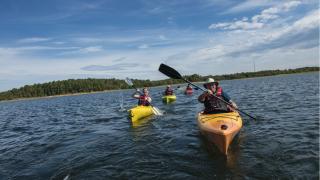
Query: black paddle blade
point(169, 71)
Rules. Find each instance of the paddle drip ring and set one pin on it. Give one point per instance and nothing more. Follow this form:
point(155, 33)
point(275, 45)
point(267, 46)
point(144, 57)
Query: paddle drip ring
point(224, 127)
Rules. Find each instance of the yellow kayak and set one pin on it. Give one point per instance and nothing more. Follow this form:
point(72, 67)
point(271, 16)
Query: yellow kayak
point(169, 99)
point(140, 112)
point(220, 128)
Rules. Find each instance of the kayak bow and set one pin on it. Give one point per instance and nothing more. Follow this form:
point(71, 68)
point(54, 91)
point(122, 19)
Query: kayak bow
point(220, 128)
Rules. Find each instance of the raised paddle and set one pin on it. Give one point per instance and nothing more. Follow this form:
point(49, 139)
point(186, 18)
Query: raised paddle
point(155, 110)
point(172, 73)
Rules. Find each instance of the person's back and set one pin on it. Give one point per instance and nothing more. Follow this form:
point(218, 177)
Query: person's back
point(211, 100)
point(144, 98)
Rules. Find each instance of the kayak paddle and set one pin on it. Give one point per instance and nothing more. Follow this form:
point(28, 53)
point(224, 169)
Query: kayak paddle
point(172, 73)
point(155, 110)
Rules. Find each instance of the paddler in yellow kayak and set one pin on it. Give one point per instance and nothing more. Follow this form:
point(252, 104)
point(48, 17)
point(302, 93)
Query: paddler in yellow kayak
point(213, 104)
point(144, 98)
point(168, 91)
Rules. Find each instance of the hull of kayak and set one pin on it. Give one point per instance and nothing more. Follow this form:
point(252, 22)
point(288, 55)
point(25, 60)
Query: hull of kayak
point(220, 129)
point(140, 112)
point(169, 99)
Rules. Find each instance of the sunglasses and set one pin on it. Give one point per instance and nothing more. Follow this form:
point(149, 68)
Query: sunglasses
point(210, 85)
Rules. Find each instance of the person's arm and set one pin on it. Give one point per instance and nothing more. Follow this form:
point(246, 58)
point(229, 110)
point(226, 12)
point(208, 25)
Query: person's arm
point(227, 98)
point(203, 96)
point(136, 94)
point(149, 99)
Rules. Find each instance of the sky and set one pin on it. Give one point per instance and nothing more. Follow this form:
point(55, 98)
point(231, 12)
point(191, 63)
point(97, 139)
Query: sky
point(47, 40)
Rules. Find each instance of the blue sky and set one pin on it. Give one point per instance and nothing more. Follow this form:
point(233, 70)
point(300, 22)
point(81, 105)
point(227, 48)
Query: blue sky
point(42, 40)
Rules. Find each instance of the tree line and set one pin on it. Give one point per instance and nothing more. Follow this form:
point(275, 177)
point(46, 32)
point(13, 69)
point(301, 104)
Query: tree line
point(72, 86)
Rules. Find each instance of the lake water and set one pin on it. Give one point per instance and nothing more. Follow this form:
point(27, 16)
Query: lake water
point(90, 137)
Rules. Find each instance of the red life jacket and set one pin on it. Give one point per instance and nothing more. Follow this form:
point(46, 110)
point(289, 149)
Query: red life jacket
point(219, 91)
point(188, 90)
point(143, 100)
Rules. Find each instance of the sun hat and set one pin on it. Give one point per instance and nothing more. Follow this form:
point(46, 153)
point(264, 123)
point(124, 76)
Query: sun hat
point(210, 81)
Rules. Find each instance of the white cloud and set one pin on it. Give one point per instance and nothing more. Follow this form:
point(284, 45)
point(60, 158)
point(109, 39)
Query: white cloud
point(9, 51)
point(237, 25)
point(107, 39)
point(257, 21)
point(283, 43)
point(39, 48)
point(91, 49)
point(143, 46)
point(162, 37)
point(271, 13)
point(33, 40)
point(59, 42)
point(310, 21)
point(6, 52)
point(114, 67)
point(82, 50)
point(289, 5)
point(249, 5)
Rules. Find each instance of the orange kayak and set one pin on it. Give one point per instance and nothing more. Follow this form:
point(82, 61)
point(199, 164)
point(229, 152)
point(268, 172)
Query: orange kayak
point(220, 128)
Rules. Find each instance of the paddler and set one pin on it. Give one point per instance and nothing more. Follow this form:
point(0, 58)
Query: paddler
point(213, 104)
point(144, 98)
point(168, 91)
point(189, 88)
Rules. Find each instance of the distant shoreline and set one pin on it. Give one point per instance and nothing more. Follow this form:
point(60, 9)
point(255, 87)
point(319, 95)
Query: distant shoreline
point(74, 94)
point(176, 84)
point(56, 96)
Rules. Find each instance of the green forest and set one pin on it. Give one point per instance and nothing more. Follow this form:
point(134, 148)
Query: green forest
point(72, 86)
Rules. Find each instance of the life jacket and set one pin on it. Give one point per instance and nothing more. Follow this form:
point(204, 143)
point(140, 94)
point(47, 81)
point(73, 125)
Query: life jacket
point(168, 92)
point(188, 90)
point(219, 91)
point(143, 100)
point(212, 103)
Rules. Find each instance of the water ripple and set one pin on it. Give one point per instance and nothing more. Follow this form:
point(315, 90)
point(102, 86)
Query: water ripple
point(90, 136)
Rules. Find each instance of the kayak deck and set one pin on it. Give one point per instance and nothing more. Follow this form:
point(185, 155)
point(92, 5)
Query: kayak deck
point(140, 112)
point(169, 99)
point(220, 128)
